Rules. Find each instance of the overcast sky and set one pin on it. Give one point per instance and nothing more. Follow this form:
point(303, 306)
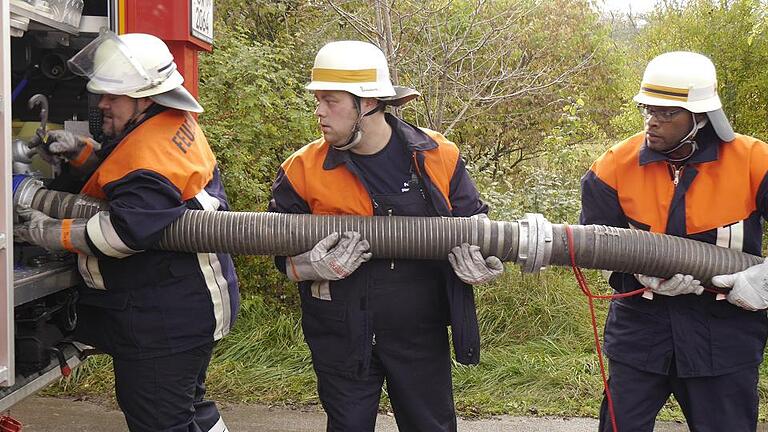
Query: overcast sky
point(624, 5)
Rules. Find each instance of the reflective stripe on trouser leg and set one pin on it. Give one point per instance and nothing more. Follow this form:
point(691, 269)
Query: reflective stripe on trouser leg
point(219, 426)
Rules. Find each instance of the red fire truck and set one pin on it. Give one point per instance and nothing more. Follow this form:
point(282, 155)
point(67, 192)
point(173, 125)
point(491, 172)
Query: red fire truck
point(38, 289)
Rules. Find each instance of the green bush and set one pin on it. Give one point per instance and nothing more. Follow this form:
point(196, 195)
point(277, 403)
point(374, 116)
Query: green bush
point(257, 113)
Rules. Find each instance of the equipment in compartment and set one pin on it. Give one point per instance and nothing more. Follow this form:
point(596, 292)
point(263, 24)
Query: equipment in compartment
point(44, 36)
point(41, 326)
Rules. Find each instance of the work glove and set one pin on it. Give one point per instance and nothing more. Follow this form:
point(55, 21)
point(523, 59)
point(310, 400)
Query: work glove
point(37, 228)
point(64, 146)
point(334, 257)
point(470, 266)
point(749, 288)
point(676, 285)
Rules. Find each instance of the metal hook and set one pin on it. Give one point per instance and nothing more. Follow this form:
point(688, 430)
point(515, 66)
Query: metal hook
point(42, 101)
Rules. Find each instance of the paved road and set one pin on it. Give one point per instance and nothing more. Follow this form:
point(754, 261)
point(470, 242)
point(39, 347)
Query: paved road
point(39, 414)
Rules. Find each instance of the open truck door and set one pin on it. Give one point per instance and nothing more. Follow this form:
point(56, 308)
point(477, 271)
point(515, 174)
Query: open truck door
point(38, 289)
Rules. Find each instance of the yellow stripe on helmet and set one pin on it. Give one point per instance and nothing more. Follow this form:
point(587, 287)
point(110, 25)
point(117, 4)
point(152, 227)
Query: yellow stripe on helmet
point(664, 92)
point(344, 76)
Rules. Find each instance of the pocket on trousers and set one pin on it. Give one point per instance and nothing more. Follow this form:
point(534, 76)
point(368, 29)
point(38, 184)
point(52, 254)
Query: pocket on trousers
point(737, 336)
point(326, 330)
point(634, 336)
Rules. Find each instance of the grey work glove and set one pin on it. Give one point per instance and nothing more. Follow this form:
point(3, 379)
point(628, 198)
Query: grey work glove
point(37, 228)
point(334, 257)
point(470, 266)
point(749, 288)
point(676, 285)
point(64, 146)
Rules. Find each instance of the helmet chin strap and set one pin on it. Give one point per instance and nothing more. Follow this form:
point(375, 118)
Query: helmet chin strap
point(357, 135)
point(688, 139)
point(136, 114)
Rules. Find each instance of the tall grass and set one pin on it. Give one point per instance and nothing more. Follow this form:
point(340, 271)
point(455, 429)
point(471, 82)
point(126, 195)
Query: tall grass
point(537, 357)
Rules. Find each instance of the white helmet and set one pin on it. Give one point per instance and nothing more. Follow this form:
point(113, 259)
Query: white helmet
point(136, 65)
point(359, 68)
point(687, 80)
point(356, 67)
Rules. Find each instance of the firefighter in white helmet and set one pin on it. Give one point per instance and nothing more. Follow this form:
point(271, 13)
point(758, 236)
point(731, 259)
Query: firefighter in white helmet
point(370, 320)
point(157, 313)
point(687, 174)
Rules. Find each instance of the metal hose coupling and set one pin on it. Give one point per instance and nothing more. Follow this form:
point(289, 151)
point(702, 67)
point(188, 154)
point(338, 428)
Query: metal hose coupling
point(29, 191)
point(533, 242)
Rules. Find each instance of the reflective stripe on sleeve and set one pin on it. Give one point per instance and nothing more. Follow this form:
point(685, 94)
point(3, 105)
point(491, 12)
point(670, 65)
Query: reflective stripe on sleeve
point(737, 236)
point(103, 235)
point(731, 236)
point(207, 201)
point(215, 281)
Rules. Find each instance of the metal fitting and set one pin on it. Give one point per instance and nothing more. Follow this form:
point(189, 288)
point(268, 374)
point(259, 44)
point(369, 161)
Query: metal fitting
point(21, 152)
point(534, 243)
point(24, 190)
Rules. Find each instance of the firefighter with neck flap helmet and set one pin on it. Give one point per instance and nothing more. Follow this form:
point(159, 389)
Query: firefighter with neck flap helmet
point(674, 95)
point(369, 320)
point(687, 174)
point(157, 313)
point(363, 75)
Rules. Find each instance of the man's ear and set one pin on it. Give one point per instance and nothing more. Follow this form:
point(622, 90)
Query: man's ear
point(700, 117)
point(144, 103)
point(367, 104)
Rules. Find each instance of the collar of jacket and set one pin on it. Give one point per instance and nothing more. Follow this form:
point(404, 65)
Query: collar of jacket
point(109, 144)
point(708, 150)
point(414, 138)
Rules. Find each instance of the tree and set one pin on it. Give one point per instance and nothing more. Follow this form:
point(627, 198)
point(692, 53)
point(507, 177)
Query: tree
point(260, 20)
point(728, 32)
point(486, 67)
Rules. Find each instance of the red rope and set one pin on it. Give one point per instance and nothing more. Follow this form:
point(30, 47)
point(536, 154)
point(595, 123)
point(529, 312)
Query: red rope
point(590, 296)
point(585, 289)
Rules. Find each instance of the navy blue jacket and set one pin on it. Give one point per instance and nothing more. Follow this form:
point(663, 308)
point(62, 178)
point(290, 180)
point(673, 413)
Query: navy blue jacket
point(139, 302)
point(719, 196)
point(312, 181)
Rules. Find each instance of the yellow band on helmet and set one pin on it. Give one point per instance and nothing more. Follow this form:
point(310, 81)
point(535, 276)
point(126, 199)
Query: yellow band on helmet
point(663, 92)
point(344, 76)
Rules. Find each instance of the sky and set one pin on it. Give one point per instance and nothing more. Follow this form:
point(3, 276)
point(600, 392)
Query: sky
point(637, 6)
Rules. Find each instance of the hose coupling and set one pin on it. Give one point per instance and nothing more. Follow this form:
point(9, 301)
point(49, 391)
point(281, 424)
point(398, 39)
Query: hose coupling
point(534, 243)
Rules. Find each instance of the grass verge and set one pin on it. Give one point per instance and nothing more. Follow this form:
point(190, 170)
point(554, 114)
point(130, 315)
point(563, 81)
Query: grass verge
point(538, 356)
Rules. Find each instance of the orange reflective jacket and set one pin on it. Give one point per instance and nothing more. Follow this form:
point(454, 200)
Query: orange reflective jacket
point(719, 196)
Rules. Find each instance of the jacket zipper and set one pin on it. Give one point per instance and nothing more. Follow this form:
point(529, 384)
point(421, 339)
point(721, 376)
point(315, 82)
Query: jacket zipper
point(417, 176)
point(391, 263)
point(676, 174)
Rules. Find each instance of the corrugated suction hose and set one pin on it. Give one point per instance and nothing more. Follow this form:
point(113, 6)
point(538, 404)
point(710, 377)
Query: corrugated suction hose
point(531, 242)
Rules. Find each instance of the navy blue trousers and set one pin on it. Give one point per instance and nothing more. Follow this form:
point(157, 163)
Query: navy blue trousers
point(417, 369)
point(167, 393)
point(710, 404)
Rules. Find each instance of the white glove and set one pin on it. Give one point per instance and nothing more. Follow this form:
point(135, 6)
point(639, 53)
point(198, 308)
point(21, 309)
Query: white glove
point(676, 285)
point(749, 288)
point(470, 266)
point(334, 257)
